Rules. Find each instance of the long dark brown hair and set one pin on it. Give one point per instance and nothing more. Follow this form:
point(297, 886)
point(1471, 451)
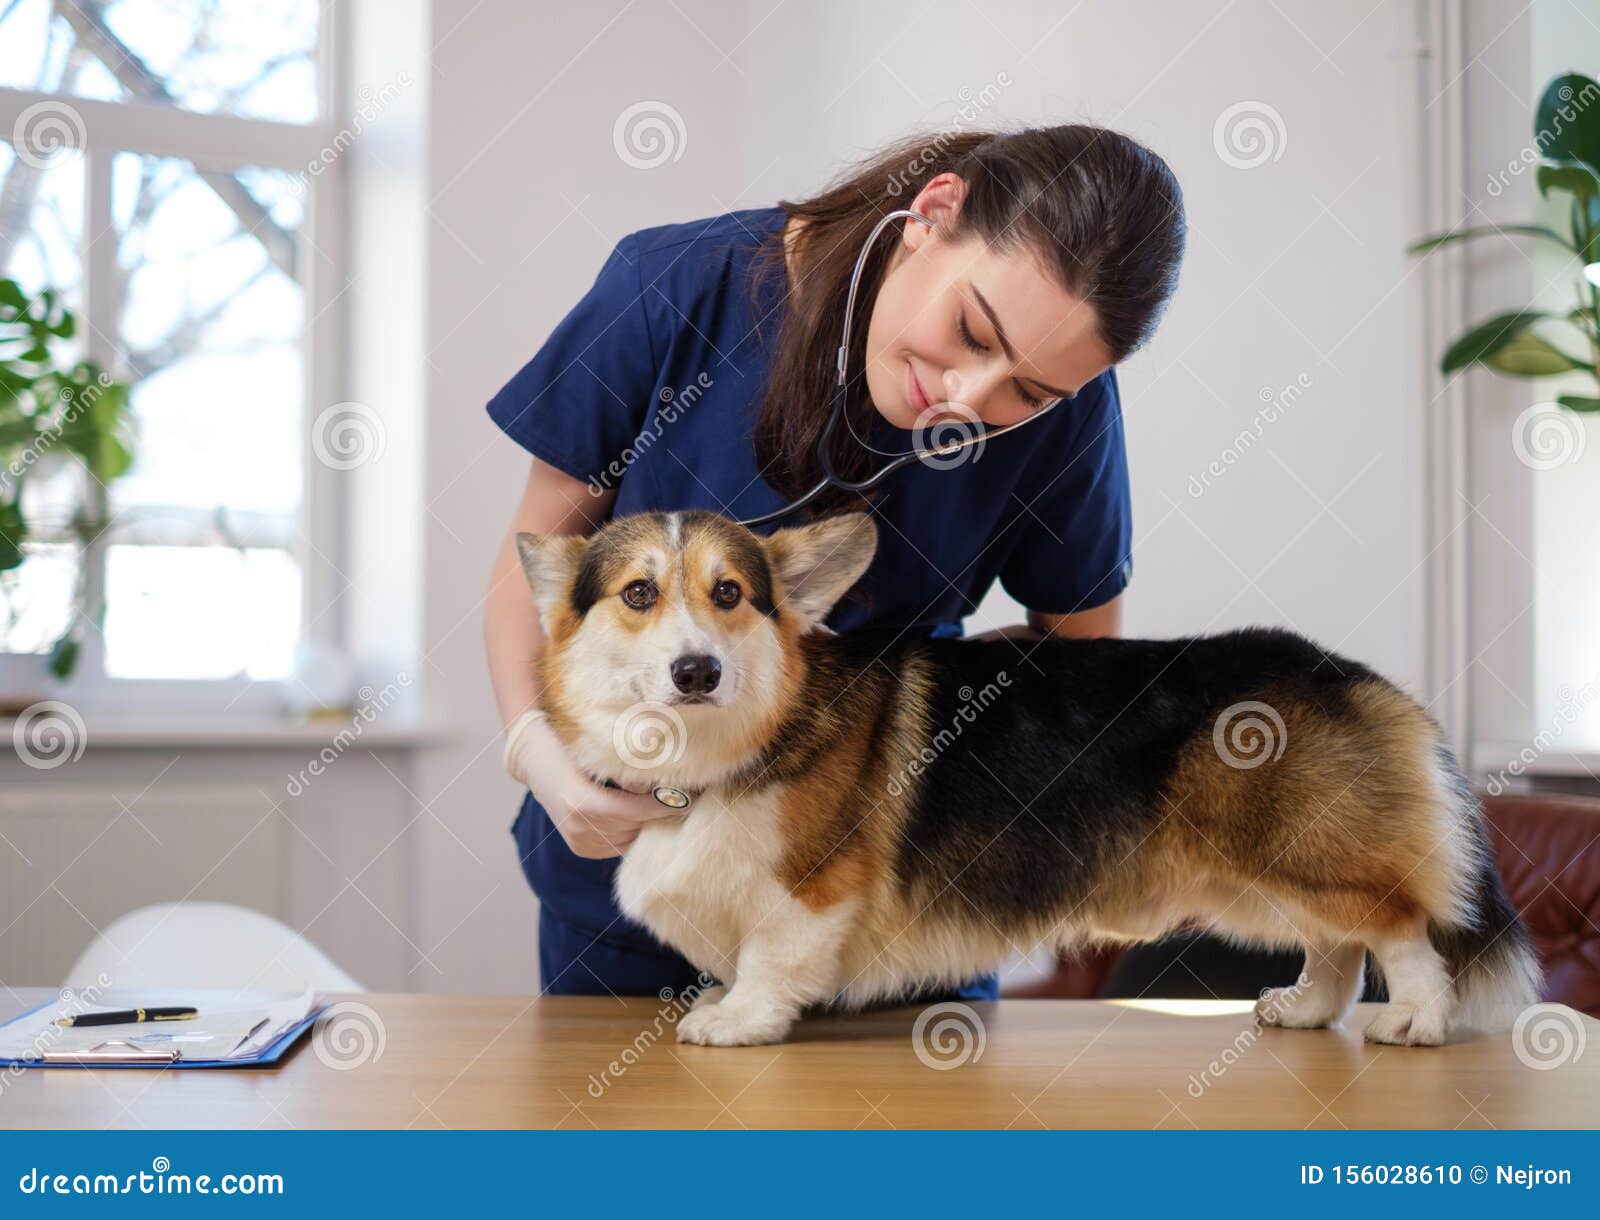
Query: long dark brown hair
point(1103, 212)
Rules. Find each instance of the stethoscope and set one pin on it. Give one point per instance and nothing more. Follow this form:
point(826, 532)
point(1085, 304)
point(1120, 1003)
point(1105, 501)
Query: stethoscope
point(831, 477)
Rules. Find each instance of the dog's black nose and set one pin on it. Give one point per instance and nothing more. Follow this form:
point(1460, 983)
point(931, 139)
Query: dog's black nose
point(696, 675)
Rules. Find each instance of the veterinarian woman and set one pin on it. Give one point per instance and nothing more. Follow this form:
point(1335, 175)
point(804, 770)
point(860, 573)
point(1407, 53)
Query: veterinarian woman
point(698, 370)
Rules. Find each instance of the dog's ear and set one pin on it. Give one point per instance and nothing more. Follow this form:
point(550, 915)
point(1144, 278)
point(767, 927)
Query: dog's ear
point(817, 563)
point(550, 562)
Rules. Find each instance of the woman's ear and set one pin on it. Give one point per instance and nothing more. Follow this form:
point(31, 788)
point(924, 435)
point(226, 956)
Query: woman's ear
point(815, 564)
point(550, 563)
point(939, 200)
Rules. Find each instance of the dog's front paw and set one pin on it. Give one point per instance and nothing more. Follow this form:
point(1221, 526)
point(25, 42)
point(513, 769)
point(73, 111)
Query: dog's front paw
point(708, 997)
point(734, 1024)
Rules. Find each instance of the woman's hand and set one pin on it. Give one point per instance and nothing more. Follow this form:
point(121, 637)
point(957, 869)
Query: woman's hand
point(596, 822)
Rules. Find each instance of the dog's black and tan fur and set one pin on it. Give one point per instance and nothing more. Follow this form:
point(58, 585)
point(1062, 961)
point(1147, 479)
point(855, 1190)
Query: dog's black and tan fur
point(879, 810)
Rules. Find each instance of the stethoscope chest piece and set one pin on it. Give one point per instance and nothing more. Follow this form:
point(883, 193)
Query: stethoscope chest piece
point(672, 798)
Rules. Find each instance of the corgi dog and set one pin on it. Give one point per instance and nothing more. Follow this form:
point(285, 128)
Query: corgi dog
point(873, 812)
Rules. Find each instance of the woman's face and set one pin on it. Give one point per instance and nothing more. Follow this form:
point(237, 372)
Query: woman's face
point(959, 331)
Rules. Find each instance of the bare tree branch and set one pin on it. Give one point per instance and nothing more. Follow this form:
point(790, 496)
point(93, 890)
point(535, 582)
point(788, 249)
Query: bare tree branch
point(184, 337)
point(19, 192)
point(87, 18)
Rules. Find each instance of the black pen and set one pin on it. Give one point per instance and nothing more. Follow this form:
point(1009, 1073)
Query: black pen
point(130, 1016)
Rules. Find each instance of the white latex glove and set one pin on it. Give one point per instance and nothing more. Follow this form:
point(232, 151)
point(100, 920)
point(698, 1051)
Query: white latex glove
point(597, 822)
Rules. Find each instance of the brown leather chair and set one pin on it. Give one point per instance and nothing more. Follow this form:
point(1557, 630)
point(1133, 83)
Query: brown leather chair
point(1548, 851)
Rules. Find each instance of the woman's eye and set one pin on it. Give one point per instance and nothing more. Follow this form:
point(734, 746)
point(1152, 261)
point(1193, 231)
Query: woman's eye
point(639, 594)
point(967, 336)
point(726, 594)
point(971, 341)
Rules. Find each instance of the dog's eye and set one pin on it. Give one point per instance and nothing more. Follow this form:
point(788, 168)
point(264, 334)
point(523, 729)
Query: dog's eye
point(639, 594)
point(726, 594)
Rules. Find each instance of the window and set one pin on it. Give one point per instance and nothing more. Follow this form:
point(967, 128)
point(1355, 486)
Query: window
point(167, 168)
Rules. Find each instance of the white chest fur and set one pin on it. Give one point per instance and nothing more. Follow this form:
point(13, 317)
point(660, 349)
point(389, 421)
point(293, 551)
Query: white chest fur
point(700, 883)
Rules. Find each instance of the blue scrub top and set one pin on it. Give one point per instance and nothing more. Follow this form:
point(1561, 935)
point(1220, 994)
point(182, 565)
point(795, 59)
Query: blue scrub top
point(651, 385)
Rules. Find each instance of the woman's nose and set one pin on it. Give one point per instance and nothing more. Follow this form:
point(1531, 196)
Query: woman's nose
point(971, 387)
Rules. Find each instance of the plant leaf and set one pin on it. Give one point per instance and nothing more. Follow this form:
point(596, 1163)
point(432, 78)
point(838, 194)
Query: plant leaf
point(112, 459)
point(1427, 244)
point(1577, 402)
point(12, 531)
point(17, 432)
point(1587, 211)
point(1528, 355)
point(13, 382)
point(64, 654)
point(1575, 177)
point(1488, 337)
point(1566, 123)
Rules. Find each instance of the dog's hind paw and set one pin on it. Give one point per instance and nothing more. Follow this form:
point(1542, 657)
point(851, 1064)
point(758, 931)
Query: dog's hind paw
point(1290, 1009)
point(734, 1024)
point(1407, 1025)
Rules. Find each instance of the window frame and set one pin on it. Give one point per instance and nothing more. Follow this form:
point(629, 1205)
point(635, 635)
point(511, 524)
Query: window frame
point(220, 142)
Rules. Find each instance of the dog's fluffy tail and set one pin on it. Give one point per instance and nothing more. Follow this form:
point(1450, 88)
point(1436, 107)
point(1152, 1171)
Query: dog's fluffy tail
point(1486, 947)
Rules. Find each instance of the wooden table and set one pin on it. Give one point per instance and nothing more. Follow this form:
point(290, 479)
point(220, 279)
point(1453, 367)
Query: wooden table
point(502, 1061)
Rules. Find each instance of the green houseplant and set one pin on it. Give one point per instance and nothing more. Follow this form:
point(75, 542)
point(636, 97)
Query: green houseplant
point(49, 405)
point(1538, 342)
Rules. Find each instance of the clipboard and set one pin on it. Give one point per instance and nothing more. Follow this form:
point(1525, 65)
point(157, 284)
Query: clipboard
point(111, 1051)
point(118, 1052)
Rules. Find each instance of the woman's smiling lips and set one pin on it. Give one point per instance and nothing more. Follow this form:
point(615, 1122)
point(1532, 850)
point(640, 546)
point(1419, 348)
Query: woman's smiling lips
point(914, 392)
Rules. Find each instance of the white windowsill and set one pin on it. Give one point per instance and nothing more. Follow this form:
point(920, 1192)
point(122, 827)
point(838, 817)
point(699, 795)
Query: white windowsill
point(1490, 758)
point(165, 732)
